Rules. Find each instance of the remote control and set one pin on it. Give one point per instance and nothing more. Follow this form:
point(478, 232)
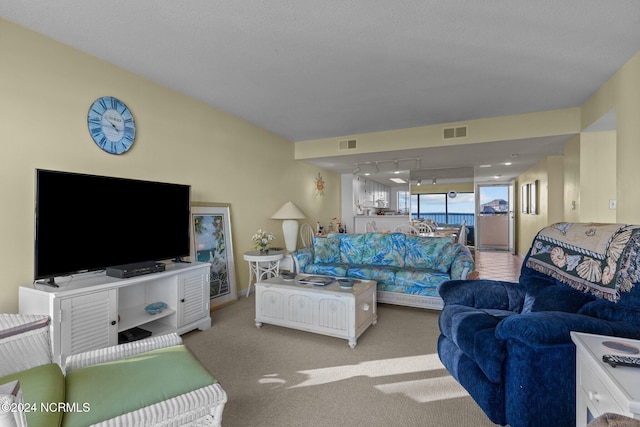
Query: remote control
point(615, 360)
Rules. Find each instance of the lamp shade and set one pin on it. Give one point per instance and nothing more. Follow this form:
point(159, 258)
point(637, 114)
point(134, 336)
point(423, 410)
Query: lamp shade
point(288, 211)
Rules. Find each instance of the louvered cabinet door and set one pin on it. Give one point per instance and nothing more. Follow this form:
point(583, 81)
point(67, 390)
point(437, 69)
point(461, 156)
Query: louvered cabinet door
point(88, 322)
point(193, 292)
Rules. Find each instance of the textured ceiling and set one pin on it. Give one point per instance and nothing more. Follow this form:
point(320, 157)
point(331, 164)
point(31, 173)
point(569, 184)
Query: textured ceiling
point(309, 70)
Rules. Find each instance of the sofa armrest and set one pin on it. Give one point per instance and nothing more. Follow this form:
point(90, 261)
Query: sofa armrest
point(463, 264)
point(545, 328)
point(24, 342)
point(303, 257)
point(108, 354)
point(493, 294)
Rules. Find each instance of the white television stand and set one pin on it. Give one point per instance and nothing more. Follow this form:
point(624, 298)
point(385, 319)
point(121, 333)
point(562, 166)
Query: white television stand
point(88, 311)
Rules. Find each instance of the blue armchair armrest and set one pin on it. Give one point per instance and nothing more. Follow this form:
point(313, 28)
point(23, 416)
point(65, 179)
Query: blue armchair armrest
point(493, 294)
point(546, 328)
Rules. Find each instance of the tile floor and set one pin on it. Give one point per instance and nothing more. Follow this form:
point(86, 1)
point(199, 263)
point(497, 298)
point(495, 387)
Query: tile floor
point(498, 265)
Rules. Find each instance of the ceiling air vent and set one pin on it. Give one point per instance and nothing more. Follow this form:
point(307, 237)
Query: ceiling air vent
point(453, 133)
point(348, 144)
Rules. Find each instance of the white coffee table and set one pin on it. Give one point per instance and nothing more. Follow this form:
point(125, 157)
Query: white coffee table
point(328, 310)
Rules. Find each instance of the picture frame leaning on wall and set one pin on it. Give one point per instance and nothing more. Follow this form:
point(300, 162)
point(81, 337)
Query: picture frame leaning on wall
point(533, 198)
point(211, 242)
point(524, 198)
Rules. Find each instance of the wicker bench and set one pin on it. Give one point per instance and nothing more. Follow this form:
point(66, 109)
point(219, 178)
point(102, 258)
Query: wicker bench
point(169, 385)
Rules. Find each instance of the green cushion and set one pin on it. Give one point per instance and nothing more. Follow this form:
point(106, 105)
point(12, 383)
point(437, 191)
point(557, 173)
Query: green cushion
point(118, 387)
point(42, 384)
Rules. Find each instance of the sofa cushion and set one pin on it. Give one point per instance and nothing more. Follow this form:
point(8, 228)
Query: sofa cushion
point(607, 310)
point(382, 275)
point(156, 375)
point(423, 252)
point(339, 270)
point(384, 249)
point(40, 385)
point(560, 298)
point(421, 277)
point(627, 309)
point(351, 247)
point(326, 249)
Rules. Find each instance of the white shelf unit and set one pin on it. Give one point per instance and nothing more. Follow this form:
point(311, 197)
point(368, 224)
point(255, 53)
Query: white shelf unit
point(601, 388)
point(88, 311)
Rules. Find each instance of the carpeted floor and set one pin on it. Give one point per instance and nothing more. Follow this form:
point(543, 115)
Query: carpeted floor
point(278, 377)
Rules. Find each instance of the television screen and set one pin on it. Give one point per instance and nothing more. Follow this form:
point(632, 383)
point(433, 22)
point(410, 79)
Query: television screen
point(90, 222)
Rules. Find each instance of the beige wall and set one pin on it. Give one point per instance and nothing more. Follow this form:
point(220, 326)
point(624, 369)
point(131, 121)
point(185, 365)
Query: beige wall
point(571, 191)
point(597, 180)
point(622, 93)
point(547, 176)
point(46, 89)
point(546, 123)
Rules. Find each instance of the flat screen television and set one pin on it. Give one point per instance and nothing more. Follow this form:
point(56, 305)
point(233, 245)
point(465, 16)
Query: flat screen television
point(89, 222)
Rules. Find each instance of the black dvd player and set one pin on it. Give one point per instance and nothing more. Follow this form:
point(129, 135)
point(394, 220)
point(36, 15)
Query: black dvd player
point(136, 269)
point(133, 334)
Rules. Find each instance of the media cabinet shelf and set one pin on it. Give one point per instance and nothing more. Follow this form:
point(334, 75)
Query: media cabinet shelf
point(90, 310)
point(137, 316)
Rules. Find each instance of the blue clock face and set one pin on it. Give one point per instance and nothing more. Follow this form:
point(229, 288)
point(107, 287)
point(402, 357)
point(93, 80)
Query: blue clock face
point(111, 125)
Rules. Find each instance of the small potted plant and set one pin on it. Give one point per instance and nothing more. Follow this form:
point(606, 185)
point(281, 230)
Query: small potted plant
point(262, 239)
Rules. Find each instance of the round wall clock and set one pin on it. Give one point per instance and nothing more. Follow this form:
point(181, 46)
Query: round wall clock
point(111, 125)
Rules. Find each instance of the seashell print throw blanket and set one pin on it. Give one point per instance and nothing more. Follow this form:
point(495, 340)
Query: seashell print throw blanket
point(603, 259)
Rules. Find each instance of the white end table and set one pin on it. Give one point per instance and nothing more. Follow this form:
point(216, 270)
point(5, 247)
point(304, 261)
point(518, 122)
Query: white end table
point(262, 265)
point(599, 387)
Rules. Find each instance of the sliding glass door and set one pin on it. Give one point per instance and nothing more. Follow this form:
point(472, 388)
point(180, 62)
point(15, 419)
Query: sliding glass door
point(495, 226)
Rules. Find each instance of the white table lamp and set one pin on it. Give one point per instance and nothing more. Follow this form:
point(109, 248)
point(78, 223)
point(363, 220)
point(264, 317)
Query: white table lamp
point(290, 213)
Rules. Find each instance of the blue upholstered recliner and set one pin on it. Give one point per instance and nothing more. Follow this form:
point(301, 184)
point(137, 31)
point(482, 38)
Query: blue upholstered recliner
point(508, 344)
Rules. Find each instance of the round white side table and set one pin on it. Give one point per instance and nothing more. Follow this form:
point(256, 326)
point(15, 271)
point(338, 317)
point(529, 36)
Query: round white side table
point(262, 265)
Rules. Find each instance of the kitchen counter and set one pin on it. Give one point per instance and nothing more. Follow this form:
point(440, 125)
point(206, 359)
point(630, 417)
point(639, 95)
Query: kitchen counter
point(383, 222)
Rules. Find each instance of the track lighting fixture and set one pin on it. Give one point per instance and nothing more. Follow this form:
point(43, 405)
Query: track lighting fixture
point(367, 168)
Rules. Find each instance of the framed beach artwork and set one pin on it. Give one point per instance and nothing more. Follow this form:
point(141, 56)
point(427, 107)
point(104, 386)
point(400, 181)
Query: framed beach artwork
point(524, 199)
point(211, 242)
point(533, 198)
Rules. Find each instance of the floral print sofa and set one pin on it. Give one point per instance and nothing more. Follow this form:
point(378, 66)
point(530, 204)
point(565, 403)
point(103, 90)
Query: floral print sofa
point(407, 268)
